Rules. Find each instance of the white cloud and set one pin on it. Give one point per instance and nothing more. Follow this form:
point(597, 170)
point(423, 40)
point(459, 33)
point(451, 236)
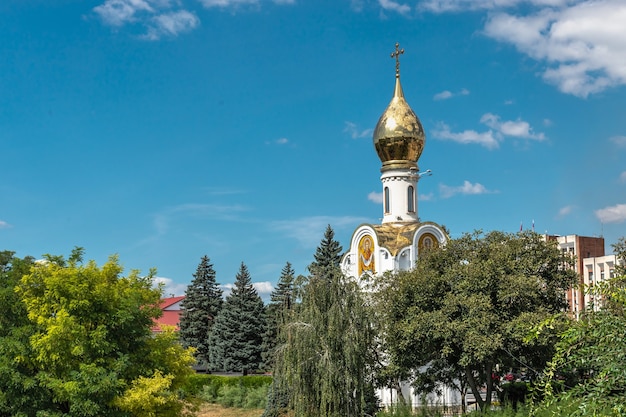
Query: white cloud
point(279, 141)
point(564, 211)
point(517, 128)
point(226, 3)
point(263, 288)
point(491, 138)
point(309, 231)
point(375, 197)
point(4, 225)
point(354, 132)
point(443, 6)
point(170, 287)
point(156, 16)
point(446, 94)
point(485, 139)
point(619, 141)
point(394, 6)
point(120, 12)
point(582, 43)
point(612, 214)
point(467, 189)
point(172, 24)
point(426, 197)
point(622, 178)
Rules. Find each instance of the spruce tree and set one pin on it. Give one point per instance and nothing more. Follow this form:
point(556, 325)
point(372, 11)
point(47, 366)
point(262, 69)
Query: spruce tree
point(202, 303)
point(327, 256)
point(278, 311)
point(237, 337)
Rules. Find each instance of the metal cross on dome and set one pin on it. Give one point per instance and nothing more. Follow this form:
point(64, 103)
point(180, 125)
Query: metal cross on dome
point(396, 54)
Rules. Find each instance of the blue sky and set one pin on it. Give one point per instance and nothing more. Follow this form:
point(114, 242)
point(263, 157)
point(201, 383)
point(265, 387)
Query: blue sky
point(165, 130)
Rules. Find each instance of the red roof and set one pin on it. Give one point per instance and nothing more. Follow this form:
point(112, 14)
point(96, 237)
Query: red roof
point(171, 313)
point(167, 302)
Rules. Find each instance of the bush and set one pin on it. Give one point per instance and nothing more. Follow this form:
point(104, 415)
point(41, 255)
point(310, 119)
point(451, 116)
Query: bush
point(241, 391)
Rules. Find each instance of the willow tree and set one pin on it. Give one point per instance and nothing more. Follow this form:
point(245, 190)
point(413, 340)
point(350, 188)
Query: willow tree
point(326, 355)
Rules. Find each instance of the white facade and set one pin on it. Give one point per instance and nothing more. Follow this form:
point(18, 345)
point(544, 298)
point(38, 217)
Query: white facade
point(396, 247)
point(597, 270)
point(396, 244)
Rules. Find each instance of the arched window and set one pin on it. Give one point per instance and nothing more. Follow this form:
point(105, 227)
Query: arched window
point(411, 199)
point(386, 200)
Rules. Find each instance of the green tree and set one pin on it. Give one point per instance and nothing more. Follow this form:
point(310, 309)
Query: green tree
point(325, 357)
point(465, 309)
point(278, 311)
point(327, 256)
point(237, 336)
point(586, 376)
point(202, 303)
point(20, 392)
point(92, 350)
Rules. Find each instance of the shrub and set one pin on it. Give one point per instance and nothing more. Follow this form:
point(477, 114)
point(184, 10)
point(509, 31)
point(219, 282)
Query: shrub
point(241, 391)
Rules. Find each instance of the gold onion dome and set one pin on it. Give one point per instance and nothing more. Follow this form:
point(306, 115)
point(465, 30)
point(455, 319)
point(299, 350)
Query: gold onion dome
point(399, 136)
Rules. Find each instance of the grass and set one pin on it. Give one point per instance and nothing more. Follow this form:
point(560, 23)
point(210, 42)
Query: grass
point(216, 410)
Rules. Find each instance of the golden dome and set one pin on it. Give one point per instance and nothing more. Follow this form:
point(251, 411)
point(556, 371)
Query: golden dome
point(399, 136)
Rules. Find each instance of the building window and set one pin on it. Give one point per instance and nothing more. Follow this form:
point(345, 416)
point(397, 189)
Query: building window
point(590, 277)
point(386, 200)
point(612, 273)
point(602, 275)
point(411, 199)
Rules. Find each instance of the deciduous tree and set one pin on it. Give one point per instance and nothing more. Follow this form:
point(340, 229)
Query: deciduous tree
point(590, 355)
point(467, 307)
point(92, 350)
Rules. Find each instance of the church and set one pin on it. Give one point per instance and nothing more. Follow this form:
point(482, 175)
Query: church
point(396, 243)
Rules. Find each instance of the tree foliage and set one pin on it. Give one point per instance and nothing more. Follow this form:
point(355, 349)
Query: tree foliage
point(467, 307)
point(278, 312)
point(90, 344)
point(202, 303)
point(587, 375)
point(237, 336)
point(327, 255)
point(325, 357)
point(20, 394)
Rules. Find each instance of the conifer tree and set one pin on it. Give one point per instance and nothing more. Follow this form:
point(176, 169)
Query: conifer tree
point(278, 311)
point(237, 336)
point(202, 303)
point(328, 254)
